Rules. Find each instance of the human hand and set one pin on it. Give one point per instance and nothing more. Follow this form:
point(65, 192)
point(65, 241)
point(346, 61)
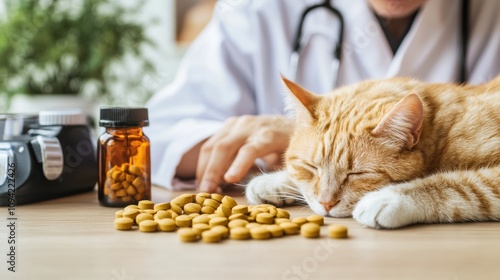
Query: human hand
point(229, 154)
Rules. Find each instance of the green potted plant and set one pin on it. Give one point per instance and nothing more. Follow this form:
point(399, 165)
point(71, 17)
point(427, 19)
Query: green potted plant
point(51, 48)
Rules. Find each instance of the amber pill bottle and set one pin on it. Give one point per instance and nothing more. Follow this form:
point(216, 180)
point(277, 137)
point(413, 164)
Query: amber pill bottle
point(124, 160)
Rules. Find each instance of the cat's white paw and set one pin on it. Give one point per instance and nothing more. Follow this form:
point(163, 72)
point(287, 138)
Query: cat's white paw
point(273, 188)
point(385, 208)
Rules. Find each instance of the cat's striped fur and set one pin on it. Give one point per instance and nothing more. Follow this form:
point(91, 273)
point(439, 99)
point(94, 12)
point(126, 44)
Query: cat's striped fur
point(392, 153)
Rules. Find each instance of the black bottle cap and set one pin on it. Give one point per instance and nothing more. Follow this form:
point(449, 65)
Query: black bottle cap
point(124, 117)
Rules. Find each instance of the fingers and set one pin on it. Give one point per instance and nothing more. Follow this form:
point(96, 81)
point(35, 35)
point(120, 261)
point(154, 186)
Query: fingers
point(221, 156)
point(263, 144)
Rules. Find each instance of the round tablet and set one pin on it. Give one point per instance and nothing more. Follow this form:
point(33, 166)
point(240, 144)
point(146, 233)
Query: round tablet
point(211, 202)
point(146, 204)
point(148, 226)
point(183, 221)
point(310, 230)
point(252, 225)
point(289, 228)
point(119, 214)
point(207, 210)
point(162, 214)
point(191, 208)
point(264, 218)
point(237, 223)
point(123, 223)
point(167, 225)
point(217, 197)
point(229, 201)
point(282, 214)
point(211, 236)
point(317, 219)
point(162, 206)
point(275, 230)
point(201, 219)
point(337, 231)
point(188, 235)
point(201, 227)
point(242, 209)
point(224, 210)
point(131, 213)
point(219, 221)
point(176, 209)
point(299, 221)
point(238, 216)
point(281, 220)
point(260, 233)
point(239, 233)
point(224, 231)
point(142, 217)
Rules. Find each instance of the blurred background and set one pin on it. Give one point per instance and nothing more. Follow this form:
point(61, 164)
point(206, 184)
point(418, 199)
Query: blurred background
point(89, 53)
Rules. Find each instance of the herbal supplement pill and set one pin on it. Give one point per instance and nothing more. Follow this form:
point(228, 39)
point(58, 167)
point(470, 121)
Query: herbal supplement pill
point(211, 216)
point(131, 213)
point(123, 223)
point(239, 233)
point(217, 197)
point(200, 199)
point(272, 211)
point(149, 211)
point(275, 230)
point(282, 214)
point(167, 225)
point(243, 209)
point(192, 208)
point(162, 206)
point(133, 169)
point(299, 221)
point(202, 219)
point(119, 213)
point(290, 228)
point(337, 231)
point(207, 210)
point(260, 233)
point(142, 217)
point(224, 210)
point(188, 235)
point(204, 194)
point(238, 216)
point(219, 221)
point(201, 227)
point(310, 230)
point(224, 231)
point(211, 236)
point(317, 219)
point(162, 214)
point(229, 201)
point(194, 215)
point(183, 221)
point(255, 211)
point(281, 220)
point(252, 225)
point(146, 204)
point(264, 218)
point(211, 202)
point(176, 208)
point(237, 223)
point(148, 226)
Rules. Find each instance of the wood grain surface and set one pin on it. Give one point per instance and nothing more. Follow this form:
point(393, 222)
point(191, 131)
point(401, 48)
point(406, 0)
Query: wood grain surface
point(74, 238)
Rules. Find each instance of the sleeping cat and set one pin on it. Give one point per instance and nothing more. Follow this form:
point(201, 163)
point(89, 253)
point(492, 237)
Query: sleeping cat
point(392, 153)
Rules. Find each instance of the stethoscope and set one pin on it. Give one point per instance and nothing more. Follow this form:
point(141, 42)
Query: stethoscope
point(335, 64)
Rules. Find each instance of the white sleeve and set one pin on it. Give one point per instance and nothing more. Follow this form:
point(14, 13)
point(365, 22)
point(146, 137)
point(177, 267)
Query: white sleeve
point(212, 83)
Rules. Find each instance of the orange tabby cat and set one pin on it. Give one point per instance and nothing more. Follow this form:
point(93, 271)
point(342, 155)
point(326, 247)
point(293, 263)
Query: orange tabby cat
point(392, 153)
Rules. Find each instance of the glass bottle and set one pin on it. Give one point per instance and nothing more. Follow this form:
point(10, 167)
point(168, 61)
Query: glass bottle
point(123, 157)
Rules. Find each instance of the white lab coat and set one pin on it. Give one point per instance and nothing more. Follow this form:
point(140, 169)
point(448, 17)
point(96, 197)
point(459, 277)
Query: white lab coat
point(233, 67)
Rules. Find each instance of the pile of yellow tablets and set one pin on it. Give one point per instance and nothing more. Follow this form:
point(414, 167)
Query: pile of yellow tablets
point(213, 217)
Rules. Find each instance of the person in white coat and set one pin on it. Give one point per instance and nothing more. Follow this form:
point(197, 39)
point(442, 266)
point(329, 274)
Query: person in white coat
point(225, 108)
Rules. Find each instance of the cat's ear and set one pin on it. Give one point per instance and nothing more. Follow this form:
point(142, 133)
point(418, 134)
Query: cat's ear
point(403, 124)
point(301, 102)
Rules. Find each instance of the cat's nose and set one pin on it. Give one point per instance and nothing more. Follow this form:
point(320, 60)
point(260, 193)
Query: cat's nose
point(328, 205)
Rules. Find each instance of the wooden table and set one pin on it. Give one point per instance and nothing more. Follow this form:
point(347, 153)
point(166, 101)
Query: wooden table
point(74, 238)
